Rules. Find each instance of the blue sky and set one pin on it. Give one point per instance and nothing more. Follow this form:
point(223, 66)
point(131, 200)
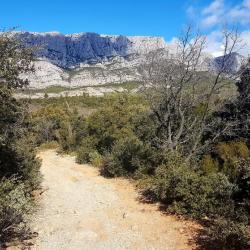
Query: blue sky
point(126, 17)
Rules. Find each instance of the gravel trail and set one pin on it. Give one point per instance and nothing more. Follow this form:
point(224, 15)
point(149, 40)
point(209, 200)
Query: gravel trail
point(82, 210)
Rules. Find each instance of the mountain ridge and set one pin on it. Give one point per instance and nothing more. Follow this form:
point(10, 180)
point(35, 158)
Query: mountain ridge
point(72, 49)
point(88, 58)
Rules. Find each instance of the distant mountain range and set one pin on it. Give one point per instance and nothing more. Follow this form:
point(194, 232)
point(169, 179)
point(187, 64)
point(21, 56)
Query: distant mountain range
point(71, 50)
point(88, 59)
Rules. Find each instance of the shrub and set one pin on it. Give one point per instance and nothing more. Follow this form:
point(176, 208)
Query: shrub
point(225, 158)
point(113, 122)
point(71, 132)
point(47, 121)
point(186, 191)
point(19, 158)
point(16, 205)
point(95, 159)
point(129, 157)
point(121, 162)
point(17, 154)
point(85, 149)
point(83, 154)
point(230, 235)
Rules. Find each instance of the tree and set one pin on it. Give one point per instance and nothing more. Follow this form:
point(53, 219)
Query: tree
point(19, 168)
point(180, 101)
point(234, 118)
point(15, 59)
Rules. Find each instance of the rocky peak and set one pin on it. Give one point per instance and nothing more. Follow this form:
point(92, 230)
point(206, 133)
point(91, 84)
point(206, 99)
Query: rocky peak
point(72, 49)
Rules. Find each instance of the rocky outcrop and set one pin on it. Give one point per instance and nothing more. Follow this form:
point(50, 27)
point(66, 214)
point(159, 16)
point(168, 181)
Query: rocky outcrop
point(88, 59)
point(229, 63)
point(70, 50)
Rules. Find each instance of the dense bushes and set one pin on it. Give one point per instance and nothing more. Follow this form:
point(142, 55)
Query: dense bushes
point(16, 204)
point(19, 168)
point(188, 192)
point(46, 123)
point(229, 234)
point(109, 124)
point(225, 157)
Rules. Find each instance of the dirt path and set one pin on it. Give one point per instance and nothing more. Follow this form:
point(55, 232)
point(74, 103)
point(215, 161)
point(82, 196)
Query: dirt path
point(82, 210)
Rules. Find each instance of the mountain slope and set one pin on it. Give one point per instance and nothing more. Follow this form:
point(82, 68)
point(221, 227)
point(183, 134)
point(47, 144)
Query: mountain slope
point(72, 50)
point(88, 59)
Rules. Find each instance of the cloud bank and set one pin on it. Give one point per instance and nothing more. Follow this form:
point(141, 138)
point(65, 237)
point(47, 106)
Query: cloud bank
point(212, 17)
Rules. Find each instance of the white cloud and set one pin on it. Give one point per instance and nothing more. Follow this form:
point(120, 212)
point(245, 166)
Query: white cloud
point(214, 43)
point(215, 6)
point(240, 13)
point(219, 12)
point(245, 35)
point(210, 21)
point(212, 14)
point(246, 3)
point(212, 17)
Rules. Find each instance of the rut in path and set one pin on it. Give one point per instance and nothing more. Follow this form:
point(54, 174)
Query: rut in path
point(83, 210)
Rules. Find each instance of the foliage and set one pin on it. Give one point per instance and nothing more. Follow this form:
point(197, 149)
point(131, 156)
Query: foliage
point(16, 204)
point(85, 149)
point(153, 142)
point(96, 159)
point(130, 157)
point(233, 119)
point(17, 152)
point(21, 61)
point(230, 235)
point(225, 158)
point(46, 122)
point(186, 191)
point(108, 125)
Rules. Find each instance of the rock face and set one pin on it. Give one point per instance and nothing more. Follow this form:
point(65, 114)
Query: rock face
point(71, 50)
point(230, 63)
point(88, 59)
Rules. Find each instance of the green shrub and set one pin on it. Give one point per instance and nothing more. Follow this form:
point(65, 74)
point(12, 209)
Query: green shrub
point(230, 235)
point(85, 149)
point(186, 191)
point(225, 158)
point(129, 157)
point(83, 154)
point(113, 122)
point(122, 160)
point(95, 159)
point(46, 122)
point(19, 158)
point(209, 164)
point(49, 145)
point(15, 206)
point(17, 151)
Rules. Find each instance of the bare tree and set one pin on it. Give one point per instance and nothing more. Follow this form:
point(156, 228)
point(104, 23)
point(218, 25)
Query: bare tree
point(180, 101)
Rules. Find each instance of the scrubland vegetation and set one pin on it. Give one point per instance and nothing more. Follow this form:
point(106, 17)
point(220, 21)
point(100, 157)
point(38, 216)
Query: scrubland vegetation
point(119, 138)
point(19, 168)
point(186, 147)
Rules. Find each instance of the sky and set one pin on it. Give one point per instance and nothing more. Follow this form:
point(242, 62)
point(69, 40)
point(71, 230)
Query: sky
point(130, 17)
